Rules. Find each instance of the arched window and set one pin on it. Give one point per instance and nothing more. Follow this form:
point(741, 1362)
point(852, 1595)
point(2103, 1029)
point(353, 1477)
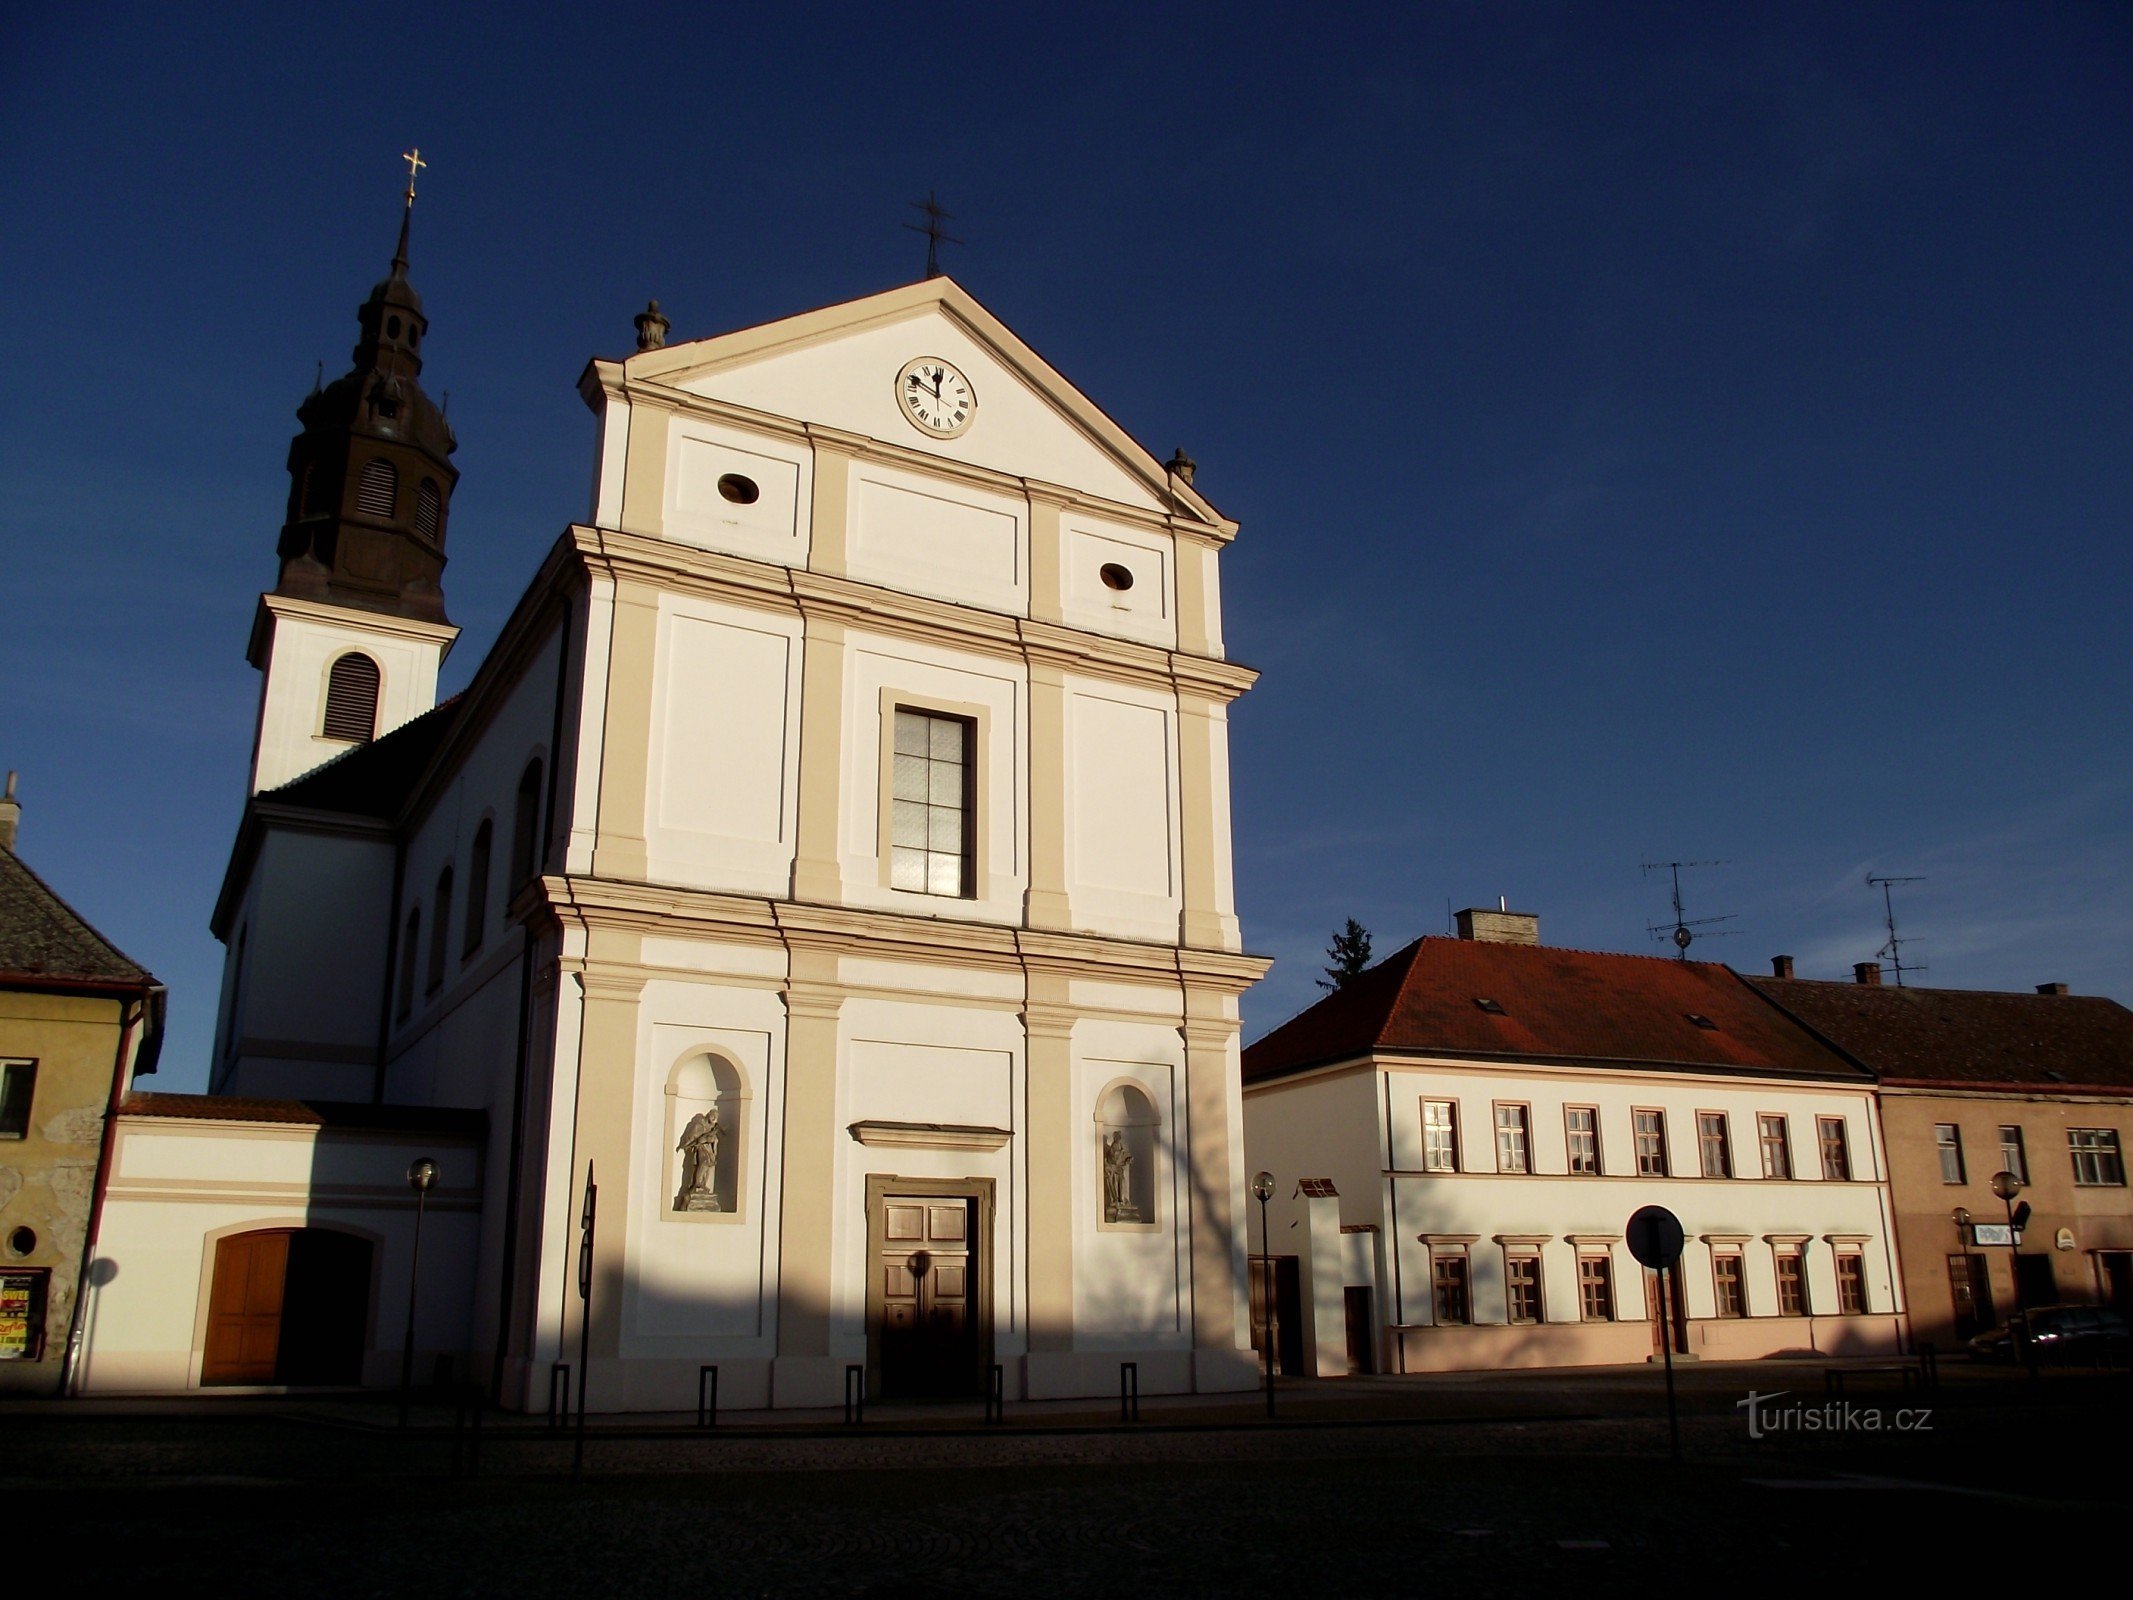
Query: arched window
point(377, 489)
point(352, 699)
point(526, 826)
point(478, 887)
point(440, 931)
point(408, 943)
point(429, 509)
point(1126, 1127)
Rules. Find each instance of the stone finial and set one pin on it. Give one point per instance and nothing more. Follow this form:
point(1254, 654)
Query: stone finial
point(651, 328)
point(1182, 466)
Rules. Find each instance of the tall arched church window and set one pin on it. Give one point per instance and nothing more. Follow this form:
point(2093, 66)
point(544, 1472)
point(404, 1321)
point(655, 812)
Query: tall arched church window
point(377, 489)
point(352, 699)
point(440, 930)
point(1126, 1127)
point(408, 943)
point(429, 509)
point(478, 886)
point(526, 826)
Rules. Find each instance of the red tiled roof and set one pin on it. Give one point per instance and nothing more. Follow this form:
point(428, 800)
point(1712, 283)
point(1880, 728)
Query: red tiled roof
point(1970, 1037)
point(1568, 1005)
point(452, 1121)
point(43, 938)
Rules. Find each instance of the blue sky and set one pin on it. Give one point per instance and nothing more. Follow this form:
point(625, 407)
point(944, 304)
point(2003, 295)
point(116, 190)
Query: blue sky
point(1659, 432)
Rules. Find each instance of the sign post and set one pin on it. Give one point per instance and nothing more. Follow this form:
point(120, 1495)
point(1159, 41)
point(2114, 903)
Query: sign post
point(585, 1294)
point(1655, 1239)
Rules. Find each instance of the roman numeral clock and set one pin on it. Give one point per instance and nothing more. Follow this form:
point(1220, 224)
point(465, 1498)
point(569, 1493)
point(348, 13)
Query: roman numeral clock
point(936, 398)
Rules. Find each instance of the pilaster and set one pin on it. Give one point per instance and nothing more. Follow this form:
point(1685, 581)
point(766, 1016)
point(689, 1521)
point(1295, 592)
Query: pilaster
point(1050, 1146)
point(1208, 920)
point(813, 1004)
point(626, 737)
point(1045, 905)
point(818, 866)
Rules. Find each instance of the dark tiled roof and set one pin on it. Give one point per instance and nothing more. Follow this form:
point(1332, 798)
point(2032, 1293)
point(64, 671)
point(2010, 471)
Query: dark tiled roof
point(448, 1120)
point(1966, 1036)
point(374, 779)
point(41, 936)
point(1576, 1005)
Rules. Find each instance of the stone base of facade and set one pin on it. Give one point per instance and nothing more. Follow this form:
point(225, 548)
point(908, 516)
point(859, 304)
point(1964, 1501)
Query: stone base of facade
point(1595, 1344)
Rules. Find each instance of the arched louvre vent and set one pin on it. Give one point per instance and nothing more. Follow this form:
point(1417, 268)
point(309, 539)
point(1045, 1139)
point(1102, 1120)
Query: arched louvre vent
point(429, 506)
point(352, 698)
point(377, 489)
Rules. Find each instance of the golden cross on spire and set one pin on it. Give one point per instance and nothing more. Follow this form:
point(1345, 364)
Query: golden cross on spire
point(415, 164)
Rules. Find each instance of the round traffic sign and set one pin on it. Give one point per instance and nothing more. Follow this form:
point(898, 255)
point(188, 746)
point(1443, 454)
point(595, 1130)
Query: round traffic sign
point(1655, 1236)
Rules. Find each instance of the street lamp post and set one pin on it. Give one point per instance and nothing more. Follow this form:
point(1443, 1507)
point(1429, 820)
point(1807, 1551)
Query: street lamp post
point(2006, 1186)
point(1263, 1187)
point(421, 1173)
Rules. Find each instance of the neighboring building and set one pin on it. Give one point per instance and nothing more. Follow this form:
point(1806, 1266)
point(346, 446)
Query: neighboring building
point(1974, 1083)
point(1460, 1136)
point(832, 856)
point(78, 1021)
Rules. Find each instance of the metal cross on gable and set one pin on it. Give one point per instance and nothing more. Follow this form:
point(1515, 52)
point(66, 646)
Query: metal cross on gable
point(415, 163)
point(935, 237)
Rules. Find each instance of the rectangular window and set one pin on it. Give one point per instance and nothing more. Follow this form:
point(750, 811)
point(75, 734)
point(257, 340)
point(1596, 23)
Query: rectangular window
point(934, 799)
point(2013, 1158)
point(1596, 1289)
point(1851, 1283)
point(1948, 1140)
point(1732, 1292)
point(18, 1083)
point(1836, 1149)
point(1448, 1280)
point(1440, 1136)
point(2096, 1157)
point(1651, 1143)
point(1792, 1284)
point(1514, 1151)
point(1581, 1128)
point(1776, 1138)
point(1522, 1288)
point(1713, 1144)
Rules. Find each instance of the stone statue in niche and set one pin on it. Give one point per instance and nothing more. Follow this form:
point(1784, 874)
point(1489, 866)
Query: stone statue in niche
point(699, 1156)
point(1118, 1180)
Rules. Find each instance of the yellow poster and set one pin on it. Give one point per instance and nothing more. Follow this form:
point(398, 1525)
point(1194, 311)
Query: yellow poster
point(18, 1302)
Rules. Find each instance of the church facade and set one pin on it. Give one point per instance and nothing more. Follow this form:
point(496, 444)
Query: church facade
point(830, 862)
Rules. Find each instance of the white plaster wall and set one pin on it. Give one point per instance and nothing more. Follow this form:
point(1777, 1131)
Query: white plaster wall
point(849, 382)
point(300, 654)
point(721, 788)
point(1122, 810)
point(925, 676)
point(1147, 611)
point(925, 535)
point(772, 528)
point(177, 1187)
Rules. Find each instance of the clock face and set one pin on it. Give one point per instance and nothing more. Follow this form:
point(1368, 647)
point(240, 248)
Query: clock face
point(937, 398)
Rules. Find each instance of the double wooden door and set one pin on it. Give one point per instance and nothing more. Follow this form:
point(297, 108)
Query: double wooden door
point(288, 1305)
point(929, 1344)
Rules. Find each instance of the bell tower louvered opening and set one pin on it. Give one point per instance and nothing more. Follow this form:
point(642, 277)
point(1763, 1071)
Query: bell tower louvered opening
point(377, 489)
point(352, 699)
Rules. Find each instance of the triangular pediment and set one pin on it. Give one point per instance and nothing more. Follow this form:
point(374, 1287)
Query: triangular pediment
point(838, 367)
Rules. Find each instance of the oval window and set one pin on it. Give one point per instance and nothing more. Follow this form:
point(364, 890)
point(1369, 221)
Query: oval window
point(22, 1241)
point(741, 491)
point(1116, 576)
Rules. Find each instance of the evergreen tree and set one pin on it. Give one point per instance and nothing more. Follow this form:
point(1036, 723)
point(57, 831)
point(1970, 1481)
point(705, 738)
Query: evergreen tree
point(1350, 954)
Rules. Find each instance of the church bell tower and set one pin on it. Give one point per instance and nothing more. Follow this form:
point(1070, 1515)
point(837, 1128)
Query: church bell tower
point(351, 637)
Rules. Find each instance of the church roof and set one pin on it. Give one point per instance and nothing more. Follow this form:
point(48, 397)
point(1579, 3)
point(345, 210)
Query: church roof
point(1515, 1002)
point(374, 779)
point(42, 937)
point(1973, 1038)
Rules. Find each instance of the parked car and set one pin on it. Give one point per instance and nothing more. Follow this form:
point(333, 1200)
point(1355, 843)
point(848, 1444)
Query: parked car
point(2060, 1333)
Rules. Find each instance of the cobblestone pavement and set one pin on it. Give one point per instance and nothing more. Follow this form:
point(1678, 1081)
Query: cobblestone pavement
point(324, 1499)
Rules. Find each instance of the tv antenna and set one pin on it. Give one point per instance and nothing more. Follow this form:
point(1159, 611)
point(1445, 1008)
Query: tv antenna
point(936, 236)
point(1678, 930)
point(1893, 950)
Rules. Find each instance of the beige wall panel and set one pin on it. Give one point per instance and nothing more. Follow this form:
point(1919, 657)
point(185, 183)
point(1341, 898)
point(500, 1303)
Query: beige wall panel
point(700, 512)
point(932, 537)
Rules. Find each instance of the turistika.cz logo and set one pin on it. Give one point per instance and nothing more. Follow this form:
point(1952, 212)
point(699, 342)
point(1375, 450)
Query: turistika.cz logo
point(1767, 1417)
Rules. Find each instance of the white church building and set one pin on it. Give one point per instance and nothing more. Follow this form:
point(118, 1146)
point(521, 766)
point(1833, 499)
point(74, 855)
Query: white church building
point(831, 858)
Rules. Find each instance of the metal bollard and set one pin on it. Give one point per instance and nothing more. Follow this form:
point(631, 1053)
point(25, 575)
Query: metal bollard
point(855, 1394)
point(559, 1405)
point(707, 1408)
point(996, 1395)
point(1129, 1391)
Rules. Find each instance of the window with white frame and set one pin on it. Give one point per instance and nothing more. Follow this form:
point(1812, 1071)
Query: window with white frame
point(1714, 1145)
point(1776, 1139)
point(1596, 1288)
point(1449, 1296)
point(1522, 1286)
point(1581, 1134)
point(1836, 1149)
point(1514, 1143)
point(1650, 1128)
point(1440, 1136)
point(2097, 1161)
point(1948, 1143)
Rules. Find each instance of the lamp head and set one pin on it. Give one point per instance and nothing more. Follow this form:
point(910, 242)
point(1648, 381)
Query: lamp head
point(1263, 1186)
point(2006, 1185)
point(1962, 1216)
point(421, 1173)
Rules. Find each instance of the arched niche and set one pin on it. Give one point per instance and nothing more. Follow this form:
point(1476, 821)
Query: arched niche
point(706, 1134)
point(1128, 1134)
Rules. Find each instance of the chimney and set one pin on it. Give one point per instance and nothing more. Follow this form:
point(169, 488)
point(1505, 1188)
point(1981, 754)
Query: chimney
point(1500, 926)
point(10, 815)
point(2042, 988)
point(1868, 972)
point(1781, 966)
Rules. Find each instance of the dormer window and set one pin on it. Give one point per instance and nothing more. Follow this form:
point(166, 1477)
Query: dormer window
point(377, 489)
point(1701, 1020)
point(1490, 1006)
point(352, 699)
